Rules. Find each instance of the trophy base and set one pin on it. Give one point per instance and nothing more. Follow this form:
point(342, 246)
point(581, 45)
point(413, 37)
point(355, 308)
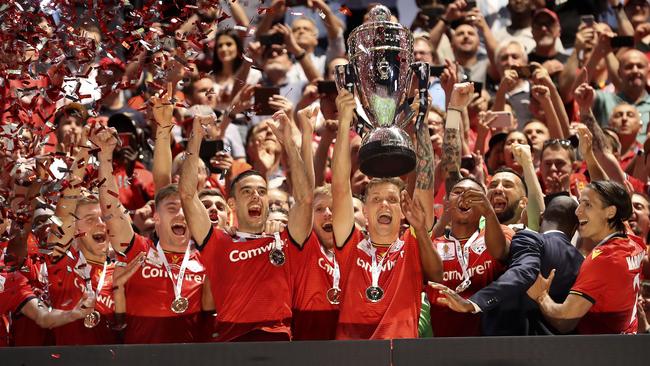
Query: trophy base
point(383, 161)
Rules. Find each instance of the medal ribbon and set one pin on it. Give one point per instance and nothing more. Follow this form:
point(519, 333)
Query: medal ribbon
point(463, 259)
point(336, 273)
point(375, 269)
point(102, 276)
point(178, 285)
point(278, 242)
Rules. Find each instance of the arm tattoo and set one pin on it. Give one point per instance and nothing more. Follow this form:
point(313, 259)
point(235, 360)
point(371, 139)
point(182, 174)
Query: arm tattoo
point(599, 136)
point(451, 156)
point(424, 167)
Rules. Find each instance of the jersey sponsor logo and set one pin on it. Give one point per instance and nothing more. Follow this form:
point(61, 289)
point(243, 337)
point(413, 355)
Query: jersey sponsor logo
point(447, 251)
point(155, 272)
point(387, 266)
point(242, 255)
point(322, 263)
point(106, 300)
point(456, 275)
point(634, 262)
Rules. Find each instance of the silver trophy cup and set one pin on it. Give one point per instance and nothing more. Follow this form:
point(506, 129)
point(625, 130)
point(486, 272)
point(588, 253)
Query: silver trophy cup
point(381, 70)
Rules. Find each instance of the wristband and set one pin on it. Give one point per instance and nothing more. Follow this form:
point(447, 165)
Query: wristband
point(455, 109)
point(301, 56)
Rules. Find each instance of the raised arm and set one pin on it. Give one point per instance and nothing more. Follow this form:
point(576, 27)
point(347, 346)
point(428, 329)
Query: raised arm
point(298, 52)
point(45, 318)
point(535, 205)
point(495, 240)
point(118, 222)
point(451, 144)
point(306, 118)
point(342, 208)
point(432, 267)
point(557, 118)
point(542, 95)
point(67, 203)
point(424, 168)
point(238, 13)
point(596, 172)
point(198, 218)
point(163, 110)
point(301, 213)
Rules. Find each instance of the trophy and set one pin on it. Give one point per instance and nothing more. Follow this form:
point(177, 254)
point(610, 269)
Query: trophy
point(381, 70)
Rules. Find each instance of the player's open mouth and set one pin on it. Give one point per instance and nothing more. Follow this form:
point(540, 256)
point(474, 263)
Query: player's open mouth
point(499, 203)
point(254, 211)
point(463, 208)
point(179, 229)
point(99, 237)
point(327, 227)
point(583, 222)
point(384, 218)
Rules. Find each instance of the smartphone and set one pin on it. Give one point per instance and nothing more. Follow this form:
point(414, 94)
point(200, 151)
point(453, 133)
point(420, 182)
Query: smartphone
point(622, 41)
point(262, 96)
point(209, 148)
point(523, 72)
point(326, 87)
point(470, 4)
point(645, 289)
point(588, 20)
point(467, 162)
point(503, 120)
point(433, 13)
point(273, 38)
point(436, 70)
point(295, 3)
point(478, 87)
point(125, 138)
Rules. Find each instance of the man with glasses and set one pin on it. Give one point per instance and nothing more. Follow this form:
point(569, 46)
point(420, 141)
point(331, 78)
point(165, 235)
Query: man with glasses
point(546, 30)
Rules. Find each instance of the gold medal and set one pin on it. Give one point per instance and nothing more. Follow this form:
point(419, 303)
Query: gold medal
point(180, 305)
point(91, 320)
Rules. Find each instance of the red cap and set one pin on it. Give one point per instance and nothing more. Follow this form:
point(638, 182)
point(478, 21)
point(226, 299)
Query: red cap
point(548, 12)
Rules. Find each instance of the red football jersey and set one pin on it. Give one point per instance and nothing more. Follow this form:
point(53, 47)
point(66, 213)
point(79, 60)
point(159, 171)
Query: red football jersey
point(396, 314)
point(314, 317)
point(610, 279)
point(15, 292)
point(482, 269)
point(150, 292)
point(250, 293)
point(66, 289)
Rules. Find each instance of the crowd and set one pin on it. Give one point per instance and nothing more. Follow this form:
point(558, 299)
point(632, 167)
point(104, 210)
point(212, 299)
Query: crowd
point(187, 171)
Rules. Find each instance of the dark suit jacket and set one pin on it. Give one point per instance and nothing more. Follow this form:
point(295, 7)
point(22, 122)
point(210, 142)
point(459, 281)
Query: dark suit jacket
point(506, 309)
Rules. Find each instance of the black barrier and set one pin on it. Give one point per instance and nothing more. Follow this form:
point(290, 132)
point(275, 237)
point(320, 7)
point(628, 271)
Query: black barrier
point(493, 351)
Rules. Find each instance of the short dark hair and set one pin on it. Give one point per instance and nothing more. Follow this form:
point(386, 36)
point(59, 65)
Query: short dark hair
point(471, 179)
point(396, 181)
point(559, 144)
point(210, 192)
point(614, 194)
point(241, 176)
point(165, 192)
point(508, 170)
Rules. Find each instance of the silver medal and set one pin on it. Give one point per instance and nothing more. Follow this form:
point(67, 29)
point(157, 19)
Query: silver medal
point(277, 257)
point(374, 293)
point(334, 295)
point(91, 320)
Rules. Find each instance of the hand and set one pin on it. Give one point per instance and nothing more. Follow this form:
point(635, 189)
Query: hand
point(414, 213)
point(104, 138)
point(476, 199)
point(85, 306)
point(175, 72)
point(122, 274)
point(477, 19)
point(273, 226)
point(585, 38)
point(280, 103)
point(243, 100)
point(201, 124)
point(541, 76)
point(557, 182)
point(584, 95)
point(461, 95)
point(222, 160)
point(451, 299)
point(478, 104)
point(254, 52)
point(283, 129)
point(449, 77)
point(541, 94)
point(345, 104)
point(163, 108)
point(541, 286)
point(289, 40)
point(455, 10)
point(553, 66)
point(509, 80)
point(522, 154)
point(307, 119)
point(143, 218)
point(642, 33)
point(586, 141)
point(277, 8)
point(310, 94)
point(603, 45)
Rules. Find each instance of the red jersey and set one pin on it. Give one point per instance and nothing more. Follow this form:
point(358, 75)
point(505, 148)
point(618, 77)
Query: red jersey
point(314, 317)
point(610, 279)
point(396, 314)
point(251, 295)
point(150, 292)
point(482, 269)
point(67, 286)
point(15, 292)
point(135, 191)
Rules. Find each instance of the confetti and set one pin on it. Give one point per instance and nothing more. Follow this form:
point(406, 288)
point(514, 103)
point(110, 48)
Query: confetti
point(345, 10)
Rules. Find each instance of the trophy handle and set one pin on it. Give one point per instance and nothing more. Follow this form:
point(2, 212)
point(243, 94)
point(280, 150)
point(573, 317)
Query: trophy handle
point(422, 70)
point(344, 76)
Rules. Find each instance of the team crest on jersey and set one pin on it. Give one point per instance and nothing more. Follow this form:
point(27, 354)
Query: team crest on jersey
point(446, 250)
point(478, 246)
point(154, 258)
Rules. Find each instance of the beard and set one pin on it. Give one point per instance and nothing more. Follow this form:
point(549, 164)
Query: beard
point(507, 214)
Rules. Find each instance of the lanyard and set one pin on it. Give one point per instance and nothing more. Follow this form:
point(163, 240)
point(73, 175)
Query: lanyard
point(463, 259)
point(86, 268)
point(336, 272)
point(375, 269)
point(178, 284)
point(277, 242)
